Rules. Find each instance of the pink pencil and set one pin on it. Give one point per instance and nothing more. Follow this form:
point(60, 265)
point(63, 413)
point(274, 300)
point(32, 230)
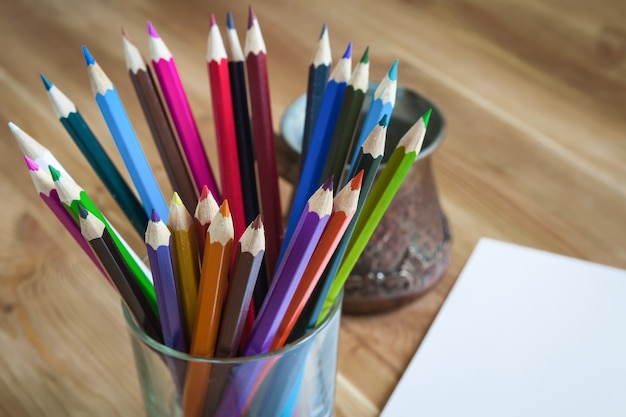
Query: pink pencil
point(45, 187)
point(223, 116)
point(180, 111)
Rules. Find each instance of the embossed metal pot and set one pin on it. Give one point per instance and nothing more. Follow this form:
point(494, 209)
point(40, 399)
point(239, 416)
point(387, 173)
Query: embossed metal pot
point(410, 250)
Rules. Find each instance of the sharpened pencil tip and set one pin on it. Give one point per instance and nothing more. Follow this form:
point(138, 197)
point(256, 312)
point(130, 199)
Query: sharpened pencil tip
point(229, 21)
point(356, 182)
point(82, 211)
point(324, 30)
point(257, 223)
point(152, 31)
point(205, 193)
point(426, 117)
point(32, 165)
point(328, 185)
point(251, 17)
point(383, 121)
point(176, 199)
point(88, 57)
point(125, 34)
point(13, 127)
point(225, 209)
point(393, 71)
point(348, 53)
point(56, 174)
point(46, 83)
point(366, 56)
point(154, 216)
point(213, 23)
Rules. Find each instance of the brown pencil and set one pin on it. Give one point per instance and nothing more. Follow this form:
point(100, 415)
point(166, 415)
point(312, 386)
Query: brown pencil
point(160, 127)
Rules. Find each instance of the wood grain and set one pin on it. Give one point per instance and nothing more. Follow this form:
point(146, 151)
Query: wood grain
point(534, 94)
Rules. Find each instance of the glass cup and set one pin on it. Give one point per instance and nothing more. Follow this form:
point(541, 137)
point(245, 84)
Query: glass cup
point(409, 251)
point(296, 380)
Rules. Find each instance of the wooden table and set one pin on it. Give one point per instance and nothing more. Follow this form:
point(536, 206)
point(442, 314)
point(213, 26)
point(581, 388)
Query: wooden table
point(534, 93)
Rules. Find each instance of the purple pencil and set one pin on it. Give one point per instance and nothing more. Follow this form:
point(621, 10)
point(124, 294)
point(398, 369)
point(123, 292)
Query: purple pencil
point(158, 244)
point(297, 255)
point(45, 187)
point(180, 111)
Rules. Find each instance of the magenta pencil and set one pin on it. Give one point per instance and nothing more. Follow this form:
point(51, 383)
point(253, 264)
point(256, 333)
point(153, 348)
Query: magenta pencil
point(180, 111)
point(45, 187)
point(223, 117)
point(289, 272)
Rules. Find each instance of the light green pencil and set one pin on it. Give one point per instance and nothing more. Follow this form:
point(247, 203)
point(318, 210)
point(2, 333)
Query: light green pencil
point(378, 200)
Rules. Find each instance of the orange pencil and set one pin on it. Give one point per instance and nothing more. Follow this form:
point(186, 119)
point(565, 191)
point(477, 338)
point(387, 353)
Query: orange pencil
point(211, 294)
point(344, 207)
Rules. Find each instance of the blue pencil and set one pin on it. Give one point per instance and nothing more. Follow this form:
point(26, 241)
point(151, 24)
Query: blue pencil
point(382, 104)
point(125, 138)
point(310, 177)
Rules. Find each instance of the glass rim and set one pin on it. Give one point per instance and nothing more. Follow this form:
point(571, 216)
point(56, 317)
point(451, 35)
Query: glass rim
point(139, 333)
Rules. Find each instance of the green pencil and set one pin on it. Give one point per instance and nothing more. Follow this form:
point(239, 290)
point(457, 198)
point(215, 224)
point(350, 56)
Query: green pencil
point(378, 200)
point(71, 195)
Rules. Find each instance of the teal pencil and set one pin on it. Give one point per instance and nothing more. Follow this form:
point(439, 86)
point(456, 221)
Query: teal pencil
point(97, 157)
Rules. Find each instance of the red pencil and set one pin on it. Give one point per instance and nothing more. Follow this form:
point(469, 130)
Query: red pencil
point(263, 133)
point(219, 78)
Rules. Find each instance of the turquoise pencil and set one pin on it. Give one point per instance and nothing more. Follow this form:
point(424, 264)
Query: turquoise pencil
point(125, 138)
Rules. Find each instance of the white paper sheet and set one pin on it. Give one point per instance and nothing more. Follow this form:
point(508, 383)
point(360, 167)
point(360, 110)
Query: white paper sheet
point(522, 333)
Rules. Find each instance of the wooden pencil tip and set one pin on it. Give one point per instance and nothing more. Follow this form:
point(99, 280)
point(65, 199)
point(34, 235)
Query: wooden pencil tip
point(356, 182)
point(32, 165)
point(46, 83)
point(230, 24)
point(383, 121)
point(205, 193)
point(328, 185)
point(176, 199)
point(426, 117)
point(88, 57)
point(257, 223)
point(125, 34)
point(56, 174)
point(251, 17)
point(366, 56)
point(348, 53)
point(154, 216)
point(225, 209)
point(324, 30)
point(393, 71)
point(152, 31)
point(82, 211)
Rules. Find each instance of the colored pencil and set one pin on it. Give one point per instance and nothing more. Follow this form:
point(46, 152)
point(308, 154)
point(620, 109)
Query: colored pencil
point(97, 157)
point(180, 111)
point(319, 71)
point(186, 262)
point(158, 245)
point(211, 294)
point(45, 188)
point(225, 135)
point(154, 111)
point(382, 104)
point(71, 195)
point(206, 208)
point(344, 207)
point(384, 189)
point(35, 150)
point(96, 233)
point(248, 257)
point(312, 221)
point(347, 120)
point(263, 134)
point(320, 142)
point(371, 155)
point(245, 145)
point(125, 137)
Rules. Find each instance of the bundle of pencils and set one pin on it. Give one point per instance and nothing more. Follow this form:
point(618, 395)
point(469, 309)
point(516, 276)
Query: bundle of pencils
point(235, 235)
